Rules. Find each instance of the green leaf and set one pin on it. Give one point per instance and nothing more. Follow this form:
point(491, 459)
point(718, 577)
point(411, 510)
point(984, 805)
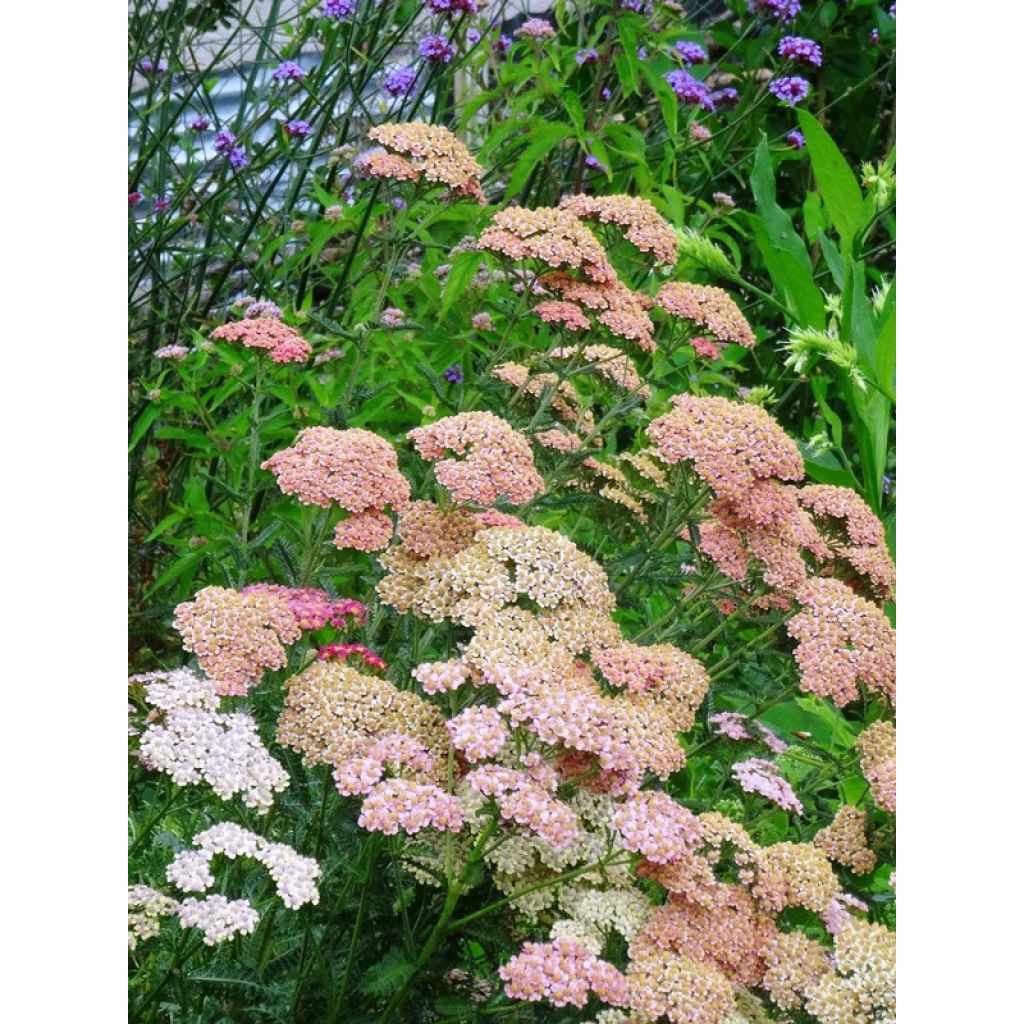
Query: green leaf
point(666, 97)
point(793, 281)
point(464, 267)
point(544, 137)
point(388, 974)
point(626, 62)
point(142, 424)
point(836, 181)
point(778, 223)
point(885, 355)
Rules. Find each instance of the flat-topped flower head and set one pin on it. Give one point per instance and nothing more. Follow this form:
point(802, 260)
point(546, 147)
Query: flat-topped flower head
point(845, 840)
point(284, 343)
point(498, 460)
point(564, 973)
point(644, 226)
point(708, 307)
point(236, 637)
point(652, 823)
point(842, 640)
point(355, 469)
point(622, 311)
point(794, 875)
point(554, 236)
point(433, 152)
point(683, 991)
point(862, 989)
point(732, 445)
point(611, 363)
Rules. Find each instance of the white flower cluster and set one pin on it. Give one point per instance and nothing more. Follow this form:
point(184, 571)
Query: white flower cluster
point(294, 876)
point(197, 743)
point(145, 908)
point(218, 917)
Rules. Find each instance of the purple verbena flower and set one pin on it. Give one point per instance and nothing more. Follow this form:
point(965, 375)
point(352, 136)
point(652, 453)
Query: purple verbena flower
point(160, 203)
point(606, 93)
point(238, 158)
point(436, 48)
point(633, 5)
point(134, 198)
point(796, 139)
point(641, 53)
point(199, 124)
point(785, 10)
point(503, 44)
point(691, 53)
point(297, 129)
point(472, 36)
point(689, 89)
point(593, 163)
point(453, 374)
point(801, 50)
point(727, 97)
point(399, 82)
point(590, 56)
point(445, 6)
point(224, 141)
point(887, 480)
point(340, 10)
point(399, 203)
point(148, 65)
point(288, 71)
point(790, 89)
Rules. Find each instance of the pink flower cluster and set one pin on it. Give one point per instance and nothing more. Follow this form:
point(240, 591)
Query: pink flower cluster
point(284, 343)
point(709, 307)
point(479, 733)
point(401, 805)
point(733, 447)
point(652, 823)
point(498, 462)
point(313, 608)
point(562, 972)
point(737, 727)
point(236, 636)
point(355, 469)
point(218, 918)
point(343, 651)
point(757, 775)
point(357, 776)
point(525, 801)
point(441, 676)
point(841, 638)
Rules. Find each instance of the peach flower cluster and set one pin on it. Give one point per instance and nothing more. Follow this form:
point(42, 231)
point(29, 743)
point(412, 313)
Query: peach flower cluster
point(735, 448)
point(355, 469)
point(429, 150)
point(644, 227)
point(236, 637)
point(563, 396)
point(314, 608)
point(877, 747)
point(842, 640)
point(708, 307)
point(756, 775)
point(498, 460)
point(284, 343)
point(621, 310)
point(845, 841)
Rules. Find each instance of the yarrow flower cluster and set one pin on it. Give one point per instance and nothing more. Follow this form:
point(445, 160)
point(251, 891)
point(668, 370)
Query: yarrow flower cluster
point(562, 972)
point(355, 469)
point(145, 908)
point(426, 150)
point(236, 637)
point(709, 307)
point(284, 343)
point(294, 876)
point(757, 775)
point(498, 461)
point(195, 743)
